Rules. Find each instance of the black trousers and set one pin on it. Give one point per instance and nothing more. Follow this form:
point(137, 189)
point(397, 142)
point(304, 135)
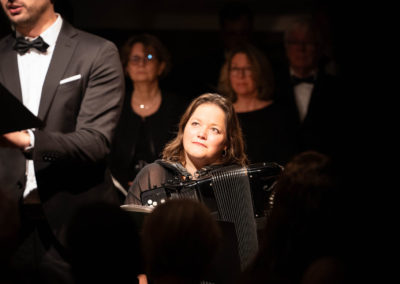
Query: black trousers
point(39, 258)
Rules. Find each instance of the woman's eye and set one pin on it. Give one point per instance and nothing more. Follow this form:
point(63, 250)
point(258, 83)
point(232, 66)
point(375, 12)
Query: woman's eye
point(216, 130)
point(195, 123)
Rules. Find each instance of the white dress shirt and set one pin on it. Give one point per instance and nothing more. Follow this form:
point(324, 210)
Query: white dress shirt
point(302, 95)
point(33, 67)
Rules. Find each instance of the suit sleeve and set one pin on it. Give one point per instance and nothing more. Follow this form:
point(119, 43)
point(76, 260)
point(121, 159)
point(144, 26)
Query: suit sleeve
point(98, 114)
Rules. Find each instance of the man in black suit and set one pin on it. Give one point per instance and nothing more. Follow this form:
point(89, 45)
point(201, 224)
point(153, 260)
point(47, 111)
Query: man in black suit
point(74, 83)
point(309, 94)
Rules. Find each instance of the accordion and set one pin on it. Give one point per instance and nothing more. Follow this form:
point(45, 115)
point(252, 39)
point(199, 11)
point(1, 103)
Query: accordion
point(233, 194)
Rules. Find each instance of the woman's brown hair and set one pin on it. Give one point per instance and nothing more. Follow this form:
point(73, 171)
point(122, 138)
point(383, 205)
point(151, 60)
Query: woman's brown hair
point(234, 153)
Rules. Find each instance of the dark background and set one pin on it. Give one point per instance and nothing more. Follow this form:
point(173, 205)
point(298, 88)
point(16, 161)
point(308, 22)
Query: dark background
point(190, 28)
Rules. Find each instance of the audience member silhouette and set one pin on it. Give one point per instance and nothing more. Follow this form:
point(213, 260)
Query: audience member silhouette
point(246, 79)
point(303, 233)
point(103, 245)
point(180, 239)
point(149, 115)
point(311, 96)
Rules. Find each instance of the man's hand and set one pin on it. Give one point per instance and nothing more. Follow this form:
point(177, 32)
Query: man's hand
point(18, 139)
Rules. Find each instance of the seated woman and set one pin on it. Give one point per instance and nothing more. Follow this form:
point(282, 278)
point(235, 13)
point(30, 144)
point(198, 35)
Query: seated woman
point(150, 115)
point(246, 79)
point(209, 134)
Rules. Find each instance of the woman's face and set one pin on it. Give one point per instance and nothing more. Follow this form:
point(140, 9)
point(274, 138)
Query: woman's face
point(241, 75)
point(143, 66)
point(204, 136)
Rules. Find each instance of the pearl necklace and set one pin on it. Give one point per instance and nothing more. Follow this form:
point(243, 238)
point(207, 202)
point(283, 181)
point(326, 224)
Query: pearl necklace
point(146, 107)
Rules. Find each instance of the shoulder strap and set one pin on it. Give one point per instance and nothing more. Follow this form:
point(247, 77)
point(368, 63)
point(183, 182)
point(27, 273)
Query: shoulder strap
point(176, 167)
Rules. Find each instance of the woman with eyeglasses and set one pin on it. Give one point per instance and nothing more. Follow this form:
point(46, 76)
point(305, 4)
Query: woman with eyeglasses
point(150, 115)
point(246, 78)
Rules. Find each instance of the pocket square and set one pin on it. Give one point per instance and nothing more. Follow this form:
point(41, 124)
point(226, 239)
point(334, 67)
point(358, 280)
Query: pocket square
point(69, 79)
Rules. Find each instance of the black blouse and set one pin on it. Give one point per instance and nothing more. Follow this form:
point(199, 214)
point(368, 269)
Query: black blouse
point(154, 175)
point(268, 134)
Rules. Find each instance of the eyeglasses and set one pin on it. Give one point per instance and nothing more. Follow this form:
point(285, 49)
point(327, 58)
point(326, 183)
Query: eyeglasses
point(136, 60)
point(243, 71)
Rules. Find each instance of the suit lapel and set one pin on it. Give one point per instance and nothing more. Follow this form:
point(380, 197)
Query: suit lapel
point(9, 68)
point(63, 51)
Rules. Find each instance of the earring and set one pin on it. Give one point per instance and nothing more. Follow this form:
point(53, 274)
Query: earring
point(223, 153)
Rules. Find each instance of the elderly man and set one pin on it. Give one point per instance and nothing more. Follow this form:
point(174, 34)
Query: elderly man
point(310, 95)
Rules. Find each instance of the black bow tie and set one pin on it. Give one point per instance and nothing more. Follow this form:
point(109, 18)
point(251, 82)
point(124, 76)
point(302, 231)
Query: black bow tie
point(297, 80)
point(22, 45)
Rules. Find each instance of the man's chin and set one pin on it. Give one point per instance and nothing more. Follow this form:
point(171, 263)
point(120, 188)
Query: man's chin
point(16, 21)
point(20, 22)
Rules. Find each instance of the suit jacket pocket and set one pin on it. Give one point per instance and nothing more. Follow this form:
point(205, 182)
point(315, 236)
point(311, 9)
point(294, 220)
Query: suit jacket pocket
point(70, 82)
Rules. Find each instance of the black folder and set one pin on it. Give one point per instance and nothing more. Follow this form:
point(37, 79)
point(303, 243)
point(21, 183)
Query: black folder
point(14, 116)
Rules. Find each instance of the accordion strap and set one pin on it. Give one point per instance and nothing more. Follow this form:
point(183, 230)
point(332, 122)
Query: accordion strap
point(176, 167)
